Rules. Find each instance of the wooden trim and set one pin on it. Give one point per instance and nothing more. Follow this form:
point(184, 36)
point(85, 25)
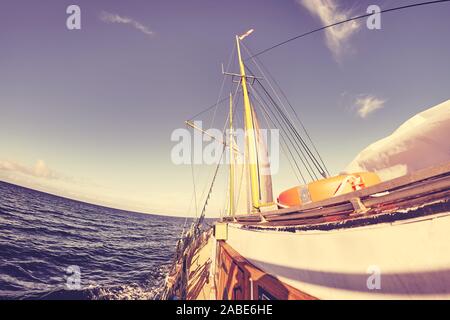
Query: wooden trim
point(417, 186)
point(240, 276)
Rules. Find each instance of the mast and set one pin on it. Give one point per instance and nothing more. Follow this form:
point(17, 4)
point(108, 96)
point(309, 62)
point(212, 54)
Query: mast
point(249, 130)
point(231, 204)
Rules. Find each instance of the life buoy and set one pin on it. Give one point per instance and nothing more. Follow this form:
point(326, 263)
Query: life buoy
point(327, 188)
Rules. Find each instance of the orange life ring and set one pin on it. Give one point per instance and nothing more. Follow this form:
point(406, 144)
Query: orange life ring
point(327, 188)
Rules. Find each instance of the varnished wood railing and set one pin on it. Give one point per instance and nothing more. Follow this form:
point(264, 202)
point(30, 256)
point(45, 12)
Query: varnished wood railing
point(427, 185)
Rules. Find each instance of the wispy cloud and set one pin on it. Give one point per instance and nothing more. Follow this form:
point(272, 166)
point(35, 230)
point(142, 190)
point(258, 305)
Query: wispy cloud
point(328, 13)
point(368, 104)
point(39, 170)
point(40, 177)
point(115, 18)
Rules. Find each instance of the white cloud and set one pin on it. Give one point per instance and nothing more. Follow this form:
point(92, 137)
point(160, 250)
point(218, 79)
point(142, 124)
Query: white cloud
point(368, 104)
point(328, 12)
point(115, 18)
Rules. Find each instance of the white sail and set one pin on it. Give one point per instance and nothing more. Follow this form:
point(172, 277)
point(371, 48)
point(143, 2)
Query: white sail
point(420, 142)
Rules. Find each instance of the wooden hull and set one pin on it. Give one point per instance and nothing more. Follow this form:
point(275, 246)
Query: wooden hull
point(238, 279)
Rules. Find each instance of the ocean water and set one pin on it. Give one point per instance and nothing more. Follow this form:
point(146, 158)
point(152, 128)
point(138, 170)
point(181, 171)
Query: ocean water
point(56, 248)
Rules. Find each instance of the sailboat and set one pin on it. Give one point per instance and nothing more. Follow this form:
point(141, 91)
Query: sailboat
point(351, 236)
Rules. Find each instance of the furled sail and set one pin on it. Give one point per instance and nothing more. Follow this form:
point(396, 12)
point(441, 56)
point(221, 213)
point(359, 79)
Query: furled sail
point(264, 173)
point(242, 185)
point(242, 202)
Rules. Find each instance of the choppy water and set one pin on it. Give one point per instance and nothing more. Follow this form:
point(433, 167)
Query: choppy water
point(120, 254)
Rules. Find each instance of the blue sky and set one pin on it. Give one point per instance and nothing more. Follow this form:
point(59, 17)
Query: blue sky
point(88, 114)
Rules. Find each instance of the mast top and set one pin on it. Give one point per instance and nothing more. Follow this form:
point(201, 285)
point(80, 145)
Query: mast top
point(249, 32)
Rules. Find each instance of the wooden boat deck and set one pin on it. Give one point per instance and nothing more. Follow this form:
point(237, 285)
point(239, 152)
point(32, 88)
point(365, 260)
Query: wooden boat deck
point(200, 281)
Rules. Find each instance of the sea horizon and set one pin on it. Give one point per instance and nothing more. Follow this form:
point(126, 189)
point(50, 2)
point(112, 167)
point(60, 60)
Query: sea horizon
point(96, 204)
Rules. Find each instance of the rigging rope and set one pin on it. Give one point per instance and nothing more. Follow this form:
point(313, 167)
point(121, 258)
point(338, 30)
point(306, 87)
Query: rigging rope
point(302, 148)
point(266, 108)
point(260, 67)
point(284, 144)
point(202, 215)
point(345, 21)
point(218, 102)
point(209, 108)
point(193, 182)
point(223, 84)
point(298, 144)
point(289, 129)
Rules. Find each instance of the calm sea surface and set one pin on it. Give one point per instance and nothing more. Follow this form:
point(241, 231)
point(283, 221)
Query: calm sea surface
point(45, 240)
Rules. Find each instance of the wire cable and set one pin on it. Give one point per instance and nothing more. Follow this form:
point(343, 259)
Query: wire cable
point(345, 21)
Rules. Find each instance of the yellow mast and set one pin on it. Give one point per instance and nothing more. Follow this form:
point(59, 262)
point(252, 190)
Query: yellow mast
point(231, 205)
point(249, 130)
